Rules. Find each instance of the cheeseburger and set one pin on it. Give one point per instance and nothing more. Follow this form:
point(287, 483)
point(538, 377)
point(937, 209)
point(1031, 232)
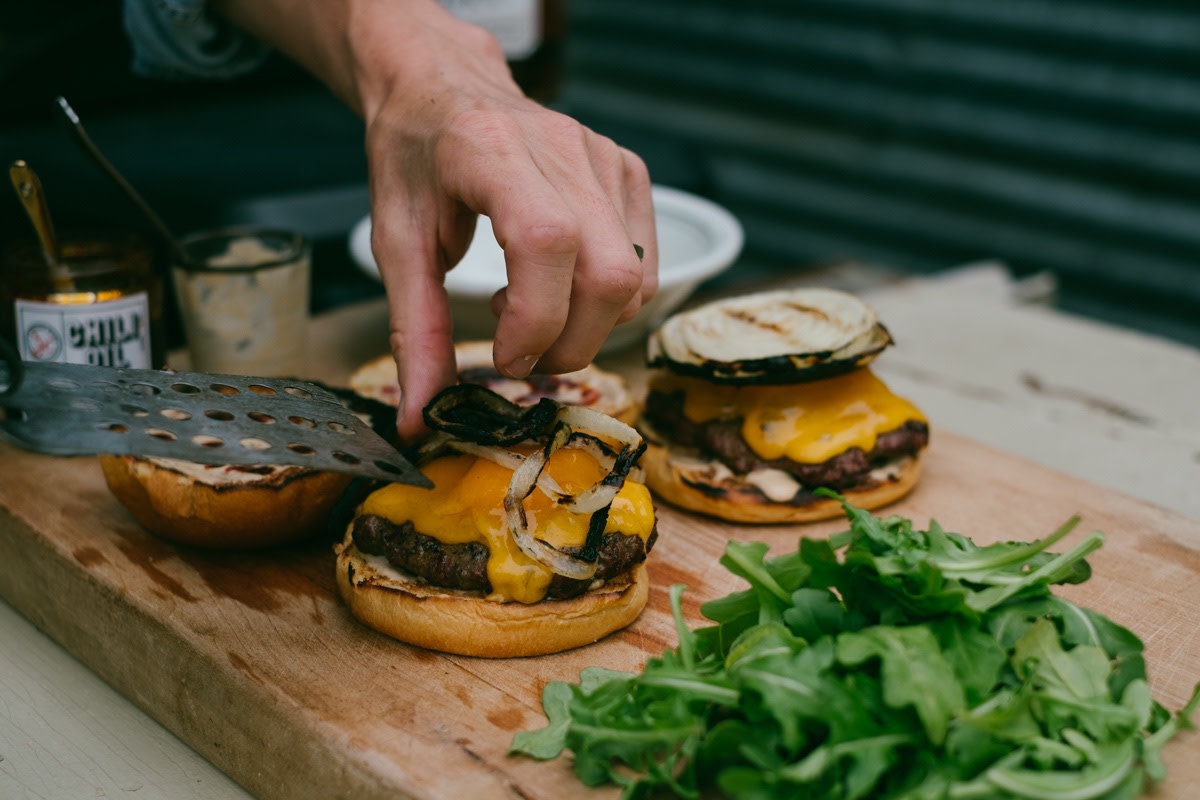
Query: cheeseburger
point(531, 541)
point(759, 400)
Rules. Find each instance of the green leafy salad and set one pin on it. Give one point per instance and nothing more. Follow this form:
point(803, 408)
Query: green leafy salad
point(882, 662)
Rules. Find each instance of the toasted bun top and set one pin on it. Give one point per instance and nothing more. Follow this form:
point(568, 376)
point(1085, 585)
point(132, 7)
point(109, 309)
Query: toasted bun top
point(590, 387)
point(784, 336)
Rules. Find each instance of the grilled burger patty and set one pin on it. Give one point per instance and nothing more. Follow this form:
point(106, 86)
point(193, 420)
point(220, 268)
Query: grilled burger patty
point(722, 440)
point(464, 566)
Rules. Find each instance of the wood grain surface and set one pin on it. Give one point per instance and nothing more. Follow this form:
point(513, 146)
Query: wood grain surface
point(253, 661)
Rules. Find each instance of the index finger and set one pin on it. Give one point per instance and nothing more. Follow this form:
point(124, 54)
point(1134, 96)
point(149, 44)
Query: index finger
point(418, 318)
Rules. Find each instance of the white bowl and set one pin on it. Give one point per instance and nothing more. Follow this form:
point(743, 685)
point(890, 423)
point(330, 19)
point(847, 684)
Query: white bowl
point(697, 239)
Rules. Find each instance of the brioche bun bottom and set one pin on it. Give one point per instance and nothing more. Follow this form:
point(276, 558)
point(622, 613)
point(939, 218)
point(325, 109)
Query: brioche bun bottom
point(286, 506)
point(695, 486)
point(465, 623)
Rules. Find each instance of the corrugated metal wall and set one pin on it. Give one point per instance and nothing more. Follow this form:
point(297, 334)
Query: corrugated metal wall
point(1057, 135)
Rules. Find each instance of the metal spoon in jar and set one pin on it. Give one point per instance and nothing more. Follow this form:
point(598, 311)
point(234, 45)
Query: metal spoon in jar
point(90, 148)
point(33, 198)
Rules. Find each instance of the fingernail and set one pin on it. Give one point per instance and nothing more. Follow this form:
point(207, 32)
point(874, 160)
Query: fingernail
point(521, 367)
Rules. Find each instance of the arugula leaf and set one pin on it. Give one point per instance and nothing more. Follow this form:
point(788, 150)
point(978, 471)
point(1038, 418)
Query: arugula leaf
point(549, 741)
point(815, 613)
point(883, 661)
point(975, 656)
point(1152, 745)
point(1114, 770)
point(913, 670)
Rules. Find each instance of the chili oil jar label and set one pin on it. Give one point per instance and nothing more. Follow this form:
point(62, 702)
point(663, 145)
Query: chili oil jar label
point(103, 307)
point(115, 333)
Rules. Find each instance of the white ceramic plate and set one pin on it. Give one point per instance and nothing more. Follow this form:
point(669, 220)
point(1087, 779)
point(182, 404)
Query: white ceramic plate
point(697, 239)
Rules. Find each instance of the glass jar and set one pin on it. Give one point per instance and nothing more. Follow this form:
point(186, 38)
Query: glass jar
point(244, 299)
point(105, 309)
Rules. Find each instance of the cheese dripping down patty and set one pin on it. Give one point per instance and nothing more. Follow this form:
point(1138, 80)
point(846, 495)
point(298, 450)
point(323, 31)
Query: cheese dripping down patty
point(809, 423)
point(466, 504)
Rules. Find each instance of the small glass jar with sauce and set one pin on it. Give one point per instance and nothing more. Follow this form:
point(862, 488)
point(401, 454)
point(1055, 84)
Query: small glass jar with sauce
point(104, 307)
point(244, 300)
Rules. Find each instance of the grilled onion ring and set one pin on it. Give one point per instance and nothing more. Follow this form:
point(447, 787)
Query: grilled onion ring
point(472, 419)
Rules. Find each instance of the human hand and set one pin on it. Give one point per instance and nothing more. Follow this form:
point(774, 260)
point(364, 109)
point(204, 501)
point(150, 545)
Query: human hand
point(449, 135)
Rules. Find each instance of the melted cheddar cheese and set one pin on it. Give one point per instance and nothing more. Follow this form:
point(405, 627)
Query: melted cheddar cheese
point(806, 422)
point(466, 504)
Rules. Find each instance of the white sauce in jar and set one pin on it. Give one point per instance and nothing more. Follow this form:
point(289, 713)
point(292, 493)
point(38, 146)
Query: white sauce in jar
point(246, 322)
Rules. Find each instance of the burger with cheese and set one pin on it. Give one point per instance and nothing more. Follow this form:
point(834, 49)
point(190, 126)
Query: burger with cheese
point(532, 540)
point(759, 400)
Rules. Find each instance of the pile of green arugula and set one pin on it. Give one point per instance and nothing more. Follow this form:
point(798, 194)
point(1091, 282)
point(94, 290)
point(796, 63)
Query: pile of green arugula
point(916, 665)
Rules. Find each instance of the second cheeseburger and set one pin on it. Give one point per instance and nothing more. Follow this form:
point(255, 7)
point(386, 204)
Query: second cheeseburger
point(532, 540)
point(761, 399)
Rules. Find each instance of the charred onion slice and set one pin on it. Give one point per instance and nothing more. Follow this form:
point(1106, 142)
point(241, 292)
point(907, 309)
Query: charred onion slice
point(462, 415)
point(778, 337)
point(477, 414)
point(524, 479)
point(581, 503)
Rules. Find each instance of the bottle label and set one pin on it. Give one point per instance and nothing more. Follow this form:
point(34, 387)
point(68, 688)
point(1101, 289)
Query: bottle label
point(516, 24)
point(115, 333)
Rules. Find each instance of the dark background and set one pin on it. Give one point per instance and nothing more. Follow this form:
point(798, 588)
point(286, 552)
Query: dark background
point(1058, 136)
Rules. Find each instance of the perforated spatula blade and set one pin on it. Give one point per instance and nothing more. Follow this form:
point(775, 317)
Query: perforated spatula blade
point(73, 409)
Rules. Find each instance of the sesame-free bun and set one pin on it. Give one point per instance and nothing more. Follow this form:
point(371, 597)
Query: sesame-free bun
point(467, 623)
point(705, 487)
point(203, 506)
point(591, 386)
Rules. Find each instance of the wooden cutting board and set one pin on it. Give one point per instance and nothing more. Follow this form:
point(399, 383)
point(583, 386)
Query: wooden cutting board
point(254, 662)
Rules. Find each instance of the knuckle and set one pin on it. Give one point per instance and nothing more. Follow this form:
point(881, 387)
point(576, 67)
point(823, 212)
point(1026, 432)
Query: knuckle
point(538, 319)
point(552, 234)
point(616, 283)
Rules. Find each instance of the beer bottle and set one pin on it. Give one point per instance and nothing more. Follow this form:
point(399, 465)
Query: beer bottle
point(532, 33)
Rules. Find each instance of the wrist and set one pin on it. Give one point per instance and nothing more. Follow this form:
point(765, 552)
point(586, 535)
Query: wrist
point(417, 50)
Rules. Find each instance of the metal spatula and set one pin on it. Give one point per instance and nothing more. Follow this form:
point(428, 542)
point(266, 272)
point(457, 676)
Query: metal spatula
point(72, 409)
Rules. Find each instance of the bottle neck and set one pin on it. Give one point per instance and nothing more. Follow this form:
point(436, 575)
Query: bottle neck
point(532, 33)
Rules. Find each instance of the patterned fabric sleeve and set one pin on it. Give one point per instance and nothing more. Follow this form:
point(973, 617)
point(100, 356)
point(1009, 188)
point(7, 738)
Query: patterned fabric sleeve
point(178, 39)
